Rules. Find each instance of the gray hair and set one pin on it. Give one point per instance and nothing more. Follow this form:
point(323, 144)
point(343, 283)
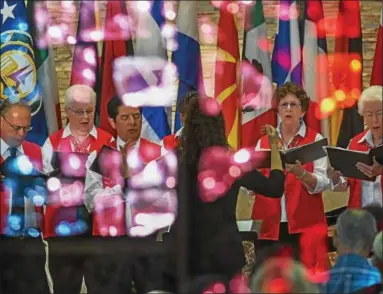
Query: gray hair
point(289, 270)
point(373, 93)
point(377, 247)
point(356, 230)
point(84, 88)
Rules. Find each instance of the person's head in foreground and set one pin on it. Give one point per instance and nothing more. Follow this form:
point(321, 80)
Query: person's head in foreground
point(201, 131)
point(370, 107)
point(355, 231)
point(80, 106)
point(15, 122)
point(377, 250)
point(184, 103)
point(282, 275)
point(126, 120)
point(292, 104)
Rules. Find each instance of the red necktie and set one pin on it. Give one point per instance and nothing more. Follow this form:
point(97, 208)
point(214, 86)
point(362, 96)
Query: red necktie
point(81, 147)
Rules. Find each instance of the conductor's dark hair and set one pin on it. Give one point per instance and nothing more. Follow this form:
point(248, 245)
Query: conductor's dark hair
point(6, 105)
point(258, 66)
point(201, 131)
point(113, 106)
point(185, 101)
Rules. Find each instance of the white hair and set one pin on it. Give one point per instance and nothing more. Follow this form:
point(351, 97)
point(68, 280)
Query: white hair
point(69, 93)
point(290, 271)
point(377, 248)
point(356, 230)
point(373, 93)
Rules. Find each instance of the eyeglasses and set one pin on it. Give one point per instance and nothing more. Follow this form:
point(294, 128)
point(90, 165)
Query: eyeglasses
point(369, 114)
point(292, 105)
point(81, 112)
point(17, 128)
point(135, 116)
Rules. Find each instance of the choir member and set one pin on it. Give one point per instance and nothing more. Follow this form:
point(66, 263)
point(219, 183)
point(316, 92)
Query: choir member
point(363, 193)
point(22, 253)
point(215, 244)
point(301, 207)
point(81, 136)
point(123, 268)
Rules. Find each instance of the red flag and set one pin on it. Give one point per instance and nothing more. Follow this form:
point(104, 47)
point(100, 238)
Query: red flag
point(226, 90)
point(84, 65)
point(377, 72)
point(117, 43)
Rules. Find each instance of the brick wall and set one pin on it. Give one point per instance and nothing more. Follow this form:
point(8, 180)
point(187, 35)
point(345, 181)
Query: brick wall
point(370, 21)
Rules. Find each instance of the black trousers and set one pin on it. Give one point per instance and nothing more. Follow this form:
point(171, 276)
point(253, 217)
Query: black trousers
point(22, 266)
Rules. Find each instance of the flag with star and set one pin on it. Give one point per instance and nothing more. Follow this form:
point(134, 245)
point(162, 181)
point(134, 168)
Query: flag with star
point(226, 90)
point(21, 67)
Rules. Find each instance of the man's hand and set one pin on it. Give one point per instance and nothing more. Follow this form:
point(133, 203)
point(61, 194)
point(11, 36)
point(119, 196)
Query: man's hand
point(334, 175)
point(296, 169)
point(370, 171)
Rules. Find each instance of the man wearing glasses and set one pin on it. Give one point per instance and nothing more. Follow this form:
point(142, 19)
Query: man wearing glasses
point(80, 136)
point(22, 254)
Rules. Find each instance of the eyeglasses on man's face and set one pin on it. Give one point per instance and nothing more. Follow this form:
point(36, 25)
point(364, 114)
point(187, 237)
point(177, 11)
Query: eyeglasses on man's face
point(82, 112)
point(17, 128)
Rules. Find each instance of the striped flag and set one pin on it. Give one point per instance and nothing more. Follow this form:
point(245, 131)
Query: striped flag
point(286, 61)
point(187, 57)
point(226, 90)
point(115, 45)
point(315, 65)
point(85, 56)
point(256, 47)
point(377, 72)
point(27, 72)
point(347, 72)
point(150, 42)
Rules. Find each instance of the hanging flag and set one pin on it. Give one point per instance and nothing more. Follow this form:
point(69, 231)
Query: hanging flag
point(347, 73)
point(187, 57)
point(377, 71)
point(226, 90)
point(256, 47)
point(85, 55)
point(117, 43)
point(150, 42)
point(22, 68)
point(315, 65)
point(286, 61)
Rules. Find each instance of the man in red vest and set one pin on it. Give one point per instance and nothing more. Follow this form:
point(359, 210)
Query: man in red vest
point(22, 253)
point(109, 181)
point(80, 136)
point(171, 142)
point(363, 193)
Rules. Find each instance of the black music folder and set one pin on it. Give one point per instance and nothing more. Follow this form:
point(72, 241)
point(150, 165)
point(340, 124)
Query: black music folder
point(70, 165)
point(345, 161)
point(305, 153)
point(378, 153)
point(103, 155)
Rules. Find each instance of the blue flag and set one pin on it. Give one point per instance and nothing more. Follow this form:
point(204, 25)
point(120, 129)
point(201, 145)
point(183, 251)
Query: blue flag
point(18, 68)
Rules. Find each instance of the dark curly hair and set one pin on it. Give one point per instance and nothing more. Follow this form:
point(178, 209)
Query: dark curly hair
point(201, 131)
point(290, 88)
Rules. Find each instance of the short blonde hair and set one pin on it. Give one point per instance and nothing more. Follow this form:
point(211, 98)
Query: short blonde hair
point(291, 273)
point(373, 93)
point(71, 89)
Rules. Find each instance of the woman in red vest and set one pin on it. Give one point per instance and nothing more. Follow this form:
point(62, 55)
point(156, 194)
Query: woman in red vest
point(301, 207)
point(363, 193)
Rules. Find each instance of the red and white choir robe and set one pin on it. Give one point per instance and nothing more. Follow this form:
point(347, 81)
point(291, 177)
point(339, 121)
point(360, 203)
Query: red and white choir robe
point(33, 213)
point(302, 209)
point(171, 142)
point(363, 193)
point(60, 141)
point(111, 215)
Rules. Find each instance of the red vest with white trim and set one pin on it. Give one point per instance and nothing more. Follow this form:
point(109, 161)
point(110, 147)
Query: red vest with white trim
point(114, 215)
point(355, 198)
point(303, 209)
point(33, 152)
point(53, 215)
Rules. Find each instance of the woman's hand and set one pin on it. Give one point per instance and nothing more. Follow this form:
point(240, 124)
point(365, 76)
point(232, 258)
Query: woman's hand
point(370, 171)
point(272, 134)
point(334, 175)
point(296, 169)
